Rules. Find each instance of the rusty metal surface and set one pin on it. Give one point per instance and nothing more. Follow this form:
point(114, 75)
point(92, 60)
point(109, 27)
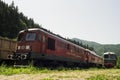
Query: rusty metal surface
point(7, 47)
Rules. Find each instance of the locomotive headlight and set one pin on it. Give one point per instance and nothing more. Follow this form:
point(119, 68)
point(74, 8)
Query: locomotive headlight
point(28, 47)
point(18, 47)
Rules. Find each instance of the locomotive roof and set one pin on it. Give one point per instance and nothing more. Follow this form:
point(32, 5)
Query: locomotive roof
point(92, 52)
point(109, 53)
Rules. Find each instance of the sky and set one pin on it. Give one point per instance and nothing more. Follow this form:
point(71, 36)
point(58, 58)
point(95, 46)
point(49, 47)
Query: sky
point(92, 20)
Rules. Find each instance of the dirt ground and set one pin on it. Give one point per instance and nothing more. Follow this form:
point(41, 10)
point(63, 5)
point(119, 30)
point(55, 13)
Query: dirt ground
point(66, 75)
point(45, 76)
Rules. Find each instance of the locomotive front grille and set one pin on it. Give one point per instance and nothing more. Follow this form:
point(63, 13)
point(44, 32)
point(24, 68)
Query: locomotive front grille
point(21, 56)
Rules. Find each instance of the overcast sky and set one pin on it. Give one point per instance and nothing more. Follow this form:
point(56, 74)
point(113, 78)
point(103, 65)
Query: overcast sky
point(93, 20)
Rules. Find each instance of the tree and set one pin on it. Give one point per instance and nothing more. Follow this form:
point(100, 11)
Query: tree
point(118, 62)
point(11, 21)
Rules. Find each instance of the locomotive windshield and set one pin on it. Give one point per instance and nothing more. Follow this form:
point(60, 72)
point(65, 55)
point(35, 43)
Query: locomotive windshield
point(30, 36)
point(27, 37)
point(111, 56)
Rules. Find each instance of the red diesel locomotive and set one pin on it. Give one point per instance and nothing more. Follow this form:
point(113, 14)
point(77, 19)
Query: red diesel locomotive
point(40, 45)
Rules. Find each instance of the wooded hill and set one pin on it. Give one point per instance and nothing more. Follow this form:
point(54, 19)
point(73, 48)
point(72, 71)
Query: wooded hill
point(100, 48)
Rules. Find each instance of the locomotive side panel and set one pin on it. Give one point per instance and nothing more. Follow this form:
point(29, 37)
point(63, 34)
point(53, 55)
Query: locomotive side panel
point(59, 49)
point(94, 59)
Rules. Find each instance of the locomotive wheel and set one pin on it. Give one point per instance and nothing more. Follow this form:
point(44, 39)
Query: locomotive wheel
point(37, 63)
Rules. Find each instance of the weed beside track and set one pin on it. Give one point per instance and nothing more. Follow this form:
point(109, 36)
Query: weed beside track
point(61, 73)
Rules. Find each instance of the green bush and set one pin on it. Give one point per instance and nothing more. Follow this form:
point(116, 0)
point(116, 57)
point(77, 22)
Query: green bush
point(118, 63)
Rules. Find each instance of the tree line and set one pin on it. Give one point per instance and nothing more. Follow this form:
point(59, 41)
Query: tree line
point(12, 21)
point(81, 44)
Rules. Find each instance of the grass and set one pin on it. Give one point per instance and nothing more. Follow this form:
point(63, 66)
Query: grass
point(5, 70)
point(104, 77)
point(10, 70)
point(33, 73)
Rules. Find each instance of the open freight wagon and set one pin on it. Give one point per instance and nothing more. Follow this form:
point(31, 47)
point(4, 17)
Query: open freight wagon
point(7, 49)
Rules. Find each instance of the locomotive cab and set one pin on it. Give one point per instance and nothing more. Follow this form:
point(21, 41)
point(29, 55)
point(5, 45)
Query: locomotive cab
point(110, 59)
point(30, 45)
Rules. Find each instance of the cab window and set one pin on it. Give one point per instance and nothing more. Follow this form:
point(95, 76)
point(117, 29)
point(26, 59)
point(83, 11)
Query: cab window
point(112, 56)
point(39, 37)
point(106, 56)
point(20, 36)
point(30, 36)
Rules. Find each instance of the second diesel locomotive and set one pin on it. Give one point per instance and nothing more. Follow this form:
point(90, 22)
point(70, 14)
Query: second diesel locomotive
point(40, 45)
point(110, 59)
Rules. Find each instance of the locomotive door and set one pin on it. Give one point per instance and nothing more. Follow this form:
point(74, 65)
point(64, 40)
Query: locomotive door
point(43, 43)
